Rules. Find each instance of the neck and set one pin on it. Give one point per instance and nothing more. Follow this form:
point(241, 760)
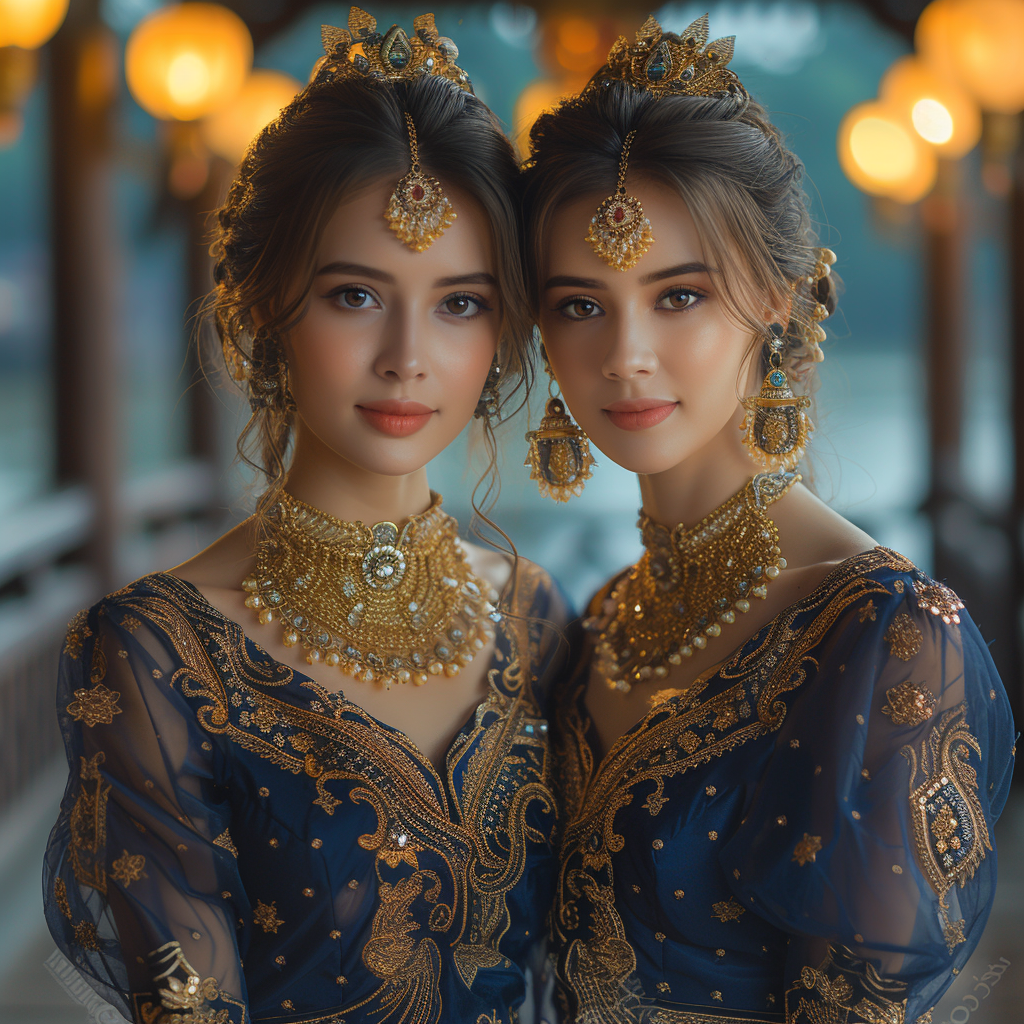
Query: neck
point(700, 483)
point(322, 478)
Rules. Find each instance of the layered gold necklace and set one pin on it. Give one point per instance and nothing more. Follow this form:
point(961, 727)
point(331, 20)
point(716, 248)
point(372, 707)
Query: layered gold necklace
point(689, 583)
point(382, 604)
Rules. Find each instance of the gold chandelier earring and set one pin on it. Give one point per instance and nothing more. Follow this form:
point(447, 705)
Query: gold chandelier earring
point(559, 454)
point(776, 426)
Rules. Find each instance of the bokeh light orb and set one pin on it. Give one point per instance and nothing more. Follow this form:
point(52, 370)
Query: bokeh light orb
point(980, 43)
point(939, 110)
point(229, 130)
point(30, 23)
point(882, 155)
point(185, 61)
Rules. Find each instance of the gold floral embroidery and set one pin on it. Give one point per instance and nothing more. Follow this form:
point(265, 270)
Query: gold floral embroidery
point(98, 668)
point(667, 743)
point(728, 910)
point(904, 637)
point(130, 623)
point(185, 997)
point(265, 915)
point(60, 897)
point(128, 868)
point(867, 612)
point(938, 599)
point(86, 937)
point(88, 825)
point(909, 704)
point(94, 706)
point(224, 840)
point(845, 988)
point(807, 849)
point(78, 633)
point(950, 831)
point(501, 763)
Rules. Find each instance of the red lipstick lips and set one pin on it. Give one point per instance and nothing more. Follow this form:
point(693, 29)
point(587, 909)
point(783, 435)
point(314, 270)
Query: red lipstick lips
point(396, 418)
point(639, 413)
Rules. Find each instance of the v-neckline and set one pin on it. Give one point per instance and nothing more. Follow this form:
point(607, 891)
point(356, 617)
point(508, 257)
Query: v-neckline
point(625, 739)
point(339, 695)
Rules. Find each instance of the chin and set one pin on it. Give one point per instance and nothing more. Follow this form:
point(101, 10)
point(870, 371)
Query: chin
point(645, 456)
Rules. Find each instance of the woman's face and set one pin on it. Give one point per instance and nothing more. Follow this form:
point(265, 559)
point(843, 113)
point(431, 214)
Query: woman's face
point(647, 359)
point(388, 362)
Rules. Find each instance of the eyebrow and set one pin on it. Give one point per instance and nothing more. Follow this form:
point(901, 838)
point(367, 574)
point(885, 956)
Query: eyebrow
point(361, 270)
point(677, 271)
point(564, 281)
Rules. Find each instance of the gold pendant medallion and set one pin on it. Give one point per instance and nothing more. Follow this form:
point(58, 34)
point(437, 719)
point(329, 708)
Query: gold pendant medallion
point(381, 604)
point(689, 583)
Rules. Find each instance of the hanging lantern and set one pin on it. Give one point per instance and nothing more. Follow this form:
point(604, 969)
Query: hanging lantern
point(939, 110)
point(230, 129)
point(883, 156)
point(185, 61)
point(30, 23)
point(980, 43)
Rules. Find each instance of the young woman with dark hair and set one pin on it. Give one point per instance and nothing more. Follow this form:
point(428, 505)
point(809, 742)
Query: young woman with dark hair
point(786, 747)
point(240, 839)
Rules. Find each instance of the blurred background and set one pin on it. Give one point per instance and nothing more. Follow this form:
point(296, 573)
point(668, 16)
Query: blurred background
point(121, 123)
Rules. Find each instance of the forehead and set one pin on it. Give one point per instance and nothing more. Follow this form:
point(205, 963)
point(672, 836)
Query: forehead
point(676, 239)
point(358, 232)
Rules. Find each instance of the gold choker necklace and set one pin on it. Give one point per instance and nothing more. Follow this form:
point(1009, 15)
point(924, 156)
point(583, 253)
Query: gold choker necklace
point(380, 604)
point(688, 583)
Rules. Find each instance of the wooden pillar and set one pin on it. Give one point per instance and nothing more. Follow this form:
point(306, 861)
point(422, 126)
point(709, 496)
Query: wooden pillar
point(83, 70)
point(943, 222)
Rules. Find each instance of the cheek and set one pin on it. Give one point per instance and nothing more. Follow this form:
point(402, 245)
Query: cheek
point(324, 349)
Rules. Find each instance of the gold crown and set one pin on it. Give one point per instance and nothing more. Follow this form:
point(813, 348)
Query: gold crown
point(667, 63)
point(395, 56)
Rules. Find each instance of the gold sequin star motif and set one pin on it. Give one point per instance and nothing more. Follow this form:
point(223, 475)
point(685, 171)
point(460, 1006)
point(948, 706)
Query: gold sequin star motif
point(128, 868)
point(806, 849)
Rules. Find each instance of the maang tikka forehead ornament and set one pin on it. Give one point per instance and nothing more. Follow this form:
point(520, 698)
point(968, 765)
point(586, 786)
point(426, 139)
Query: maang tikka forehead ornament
point(418, 211)
point(661, 63)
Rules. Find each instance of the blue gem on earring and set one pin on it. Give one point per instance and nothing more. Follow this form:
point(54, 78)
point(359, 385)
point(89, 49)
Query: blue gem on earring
point(777, 379)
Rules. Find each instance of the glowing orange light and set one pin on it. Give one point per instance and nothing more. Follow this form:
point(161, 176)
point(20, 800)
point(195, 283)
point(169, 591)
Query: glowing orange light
point(980, 43)
point(229, 131)
point(185, 61)
point(938, 109)
point(29, 23)
point(534, 100)
point(883, 156)
point(577, 45)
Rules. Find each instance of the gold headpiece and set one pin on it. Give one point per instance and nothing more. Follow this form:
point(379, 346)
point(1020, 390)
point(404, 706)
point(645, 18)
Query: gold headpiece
point(619, 232)
point(394, 56)
point(663, 62)
point(418, 211)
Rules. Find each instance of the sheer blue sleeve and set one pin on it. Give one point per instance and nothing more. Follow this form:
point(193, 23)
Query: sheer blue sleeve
point(869, 838)
point(140, 882)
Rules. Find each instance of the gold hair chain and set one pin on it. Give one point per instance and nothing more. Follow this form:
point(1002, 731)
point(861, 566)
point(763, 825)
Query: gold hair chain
point(689, 583)
point(382, 604)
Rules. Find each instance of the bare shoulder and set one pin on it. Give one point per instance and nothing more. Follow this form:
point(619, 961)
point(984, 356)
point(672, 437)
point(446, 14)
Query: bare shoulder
point(224, 563)
point(812, 534)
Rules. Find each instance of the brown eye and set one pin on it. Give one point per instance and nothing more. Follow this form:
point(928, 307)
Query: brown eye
point(462, 306)
point(678, 300)
point(355, 298)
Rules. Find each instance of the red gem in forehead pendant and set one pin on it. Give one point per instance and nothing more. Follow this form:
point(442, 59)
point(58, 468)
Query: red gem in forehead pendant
point(417, 193)
point(618, 214)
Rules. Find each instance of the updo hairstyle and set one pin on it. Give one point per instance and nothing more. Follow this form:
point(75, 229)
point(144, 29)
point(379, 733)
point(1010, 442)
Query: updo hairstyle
point(336, 137)
point(740, 183)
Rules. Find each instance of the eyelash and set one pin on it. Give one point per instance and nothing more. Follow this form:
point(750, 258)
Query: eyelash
point(482, 307)
point(566, 303)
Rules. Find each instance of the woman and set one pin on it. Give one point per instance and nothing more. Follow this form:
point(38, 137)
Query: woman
point(240, 839)
point(787, 747)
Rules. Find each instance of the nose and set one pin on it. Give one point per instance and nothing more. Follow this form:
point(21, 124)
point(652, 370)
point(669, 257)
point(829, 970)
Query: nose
point(401, 356)
point(628, 355)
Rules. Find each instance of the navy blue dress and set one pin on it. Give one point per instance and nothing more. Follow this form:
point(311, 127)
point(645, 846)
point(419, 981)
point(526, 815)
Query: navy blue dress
point(237, 843)
point(804, 834)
